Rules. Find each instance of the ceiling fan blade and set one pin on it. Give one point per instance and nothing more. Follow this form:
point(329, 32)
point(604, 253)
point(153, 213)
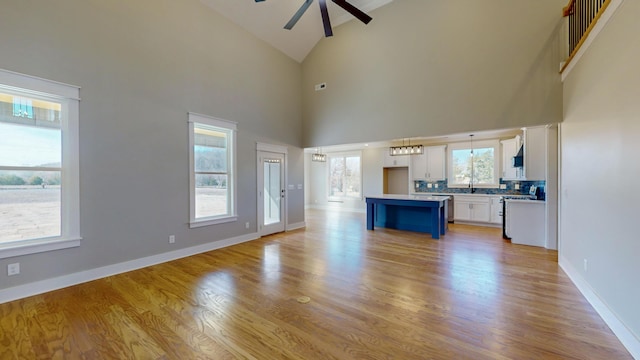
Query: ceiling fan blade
point(297, 15)
point(325, 18)
point(357, 13)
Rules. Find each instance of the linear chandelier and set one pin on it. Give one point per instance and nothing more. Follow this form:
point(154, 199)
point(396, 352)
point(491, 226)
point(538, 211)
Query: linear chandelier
point(406, 149)
point(326, 22)
point(319, 156)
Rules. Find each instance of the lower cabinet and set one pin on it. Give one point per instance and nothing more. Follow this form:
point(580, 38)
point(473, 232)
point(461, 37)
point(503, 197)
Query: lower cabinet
point(472, 208)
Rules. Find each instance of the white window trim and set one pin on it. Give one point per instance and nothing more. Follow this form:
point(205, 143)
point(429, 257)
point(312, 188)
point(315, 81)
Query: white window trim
point(69, 97)
point(230, 125)
point(495, 144)
point(328, 176)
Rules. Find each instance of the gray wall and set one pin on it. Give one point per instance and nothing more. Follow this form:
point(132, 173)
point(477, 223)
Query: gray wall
point(142, 65)
point(424, 68)
point(599, 163)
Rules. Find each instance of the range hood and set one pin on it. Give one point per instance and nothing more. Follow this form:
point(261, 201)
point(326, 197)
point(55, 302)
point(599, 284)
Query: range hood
point(518, 160)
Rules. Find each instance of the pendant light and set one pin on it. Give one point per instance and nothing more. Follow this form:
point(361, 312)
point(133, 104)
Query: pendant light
point(471, 179)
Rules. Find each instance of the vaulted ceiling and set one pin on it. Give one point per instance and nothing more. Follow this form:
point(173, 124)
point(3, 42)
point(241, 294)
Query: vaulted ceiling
point(266, 20)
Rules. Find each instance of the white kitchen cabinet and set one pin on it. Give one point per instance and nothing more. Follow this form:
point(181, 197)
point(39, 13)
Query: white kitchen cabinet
point(419, 166)
point(430, 165)
point(525, 222)
point(471, 208)
point(535, 153)
point(396, 161)
point(496, 210)
point(510, 148)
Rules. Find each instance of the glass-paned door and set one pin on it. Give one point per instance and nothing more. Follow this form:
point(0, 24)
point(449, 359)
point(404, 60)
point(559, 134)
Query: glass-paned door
point(272, 192)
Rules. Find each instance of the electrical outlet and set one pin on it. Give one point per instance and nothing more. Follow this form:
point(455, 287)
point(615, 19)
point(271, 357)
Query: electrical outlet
point(246, 225)
point(435, 185)
point(417, 185)
point(585, 265)
point(429, 185)
point(13, 269)
point(503, 186)
point(516, 186)
point(172, 239)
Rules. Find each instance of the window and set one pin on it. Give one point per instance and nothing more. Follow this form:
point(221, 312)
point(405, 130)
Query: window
point(483, 161)
point(345, 176)
point(39, 181)
point(212, 164)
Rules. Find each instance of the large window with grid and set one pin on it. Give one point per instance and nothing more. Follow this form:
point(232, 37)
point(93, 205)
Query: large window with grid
point(39, 191)
point(345, 176)
point(474, 164)
point(212, 175)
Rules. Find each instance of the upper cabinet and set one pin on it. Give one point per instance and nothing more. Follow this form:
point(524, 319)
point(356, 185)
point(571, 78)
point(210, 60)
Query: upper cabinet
point(510, 148)
point(535, 153)
point(396, 160)
point(430, 165)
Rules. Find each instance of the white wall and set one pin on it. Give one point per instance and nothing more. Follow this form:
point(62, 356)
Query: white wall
point(600, 168)
point(142, 65)
point(437, 67)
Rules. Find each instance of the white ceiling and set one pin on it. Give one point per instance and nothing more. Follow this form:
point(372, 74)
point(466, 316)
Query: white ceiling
point(266, 20)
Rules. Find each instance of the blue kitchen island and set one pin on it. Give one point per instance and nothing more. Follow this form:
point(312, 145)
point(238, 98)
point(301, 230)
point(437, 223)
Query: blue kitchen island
point(408, 212)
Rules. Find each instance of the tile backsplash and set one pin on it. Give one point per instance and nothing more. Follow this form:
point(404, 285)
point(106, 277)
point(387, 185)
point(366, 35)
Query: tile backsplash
point(422, 187)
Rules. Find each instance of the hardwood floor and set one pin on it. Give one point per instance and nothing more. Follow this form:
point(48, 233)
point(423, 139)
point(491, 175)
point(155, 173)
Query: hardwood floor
point(380, 294)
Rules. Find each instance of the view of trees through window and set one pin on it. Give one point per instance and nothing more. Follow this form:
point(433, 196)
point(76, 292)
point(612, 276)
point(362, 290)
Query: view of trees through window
point(345, 177)
point(483, 166)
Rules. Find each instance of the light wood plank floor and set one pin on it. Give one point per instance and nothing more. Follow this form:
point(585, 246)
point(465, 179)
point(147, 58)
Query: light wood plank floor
point(380, 294)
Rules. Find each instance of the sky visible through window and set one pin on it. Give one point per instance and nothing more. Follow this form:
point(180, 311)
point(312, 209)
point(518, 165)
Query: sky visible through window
point(29, 146)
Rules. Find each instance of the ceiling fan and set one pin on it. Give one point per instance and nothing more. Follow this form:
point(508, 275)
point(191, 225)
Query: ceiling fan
point(357, 13)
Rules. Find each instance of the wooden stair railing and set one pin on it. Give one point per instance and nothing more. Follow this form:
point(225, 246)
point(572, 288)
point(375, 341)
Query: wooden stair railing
point(583, 15)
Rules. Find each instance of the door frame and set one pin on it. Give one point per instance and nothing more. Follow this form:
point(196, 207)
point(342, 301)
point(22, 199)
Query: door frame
point(277, 149)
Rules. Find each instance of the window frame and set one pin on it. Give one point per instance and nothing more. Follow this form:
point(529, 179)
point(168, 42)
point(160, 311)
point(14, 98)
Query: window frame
point(328, 177)
point(495, 144)
point(69, 98)
point(229, 127)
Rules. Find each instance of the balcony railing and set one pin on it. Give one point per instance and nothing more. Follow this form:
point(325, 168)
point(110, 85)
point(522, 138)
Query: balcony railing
point(583, 15)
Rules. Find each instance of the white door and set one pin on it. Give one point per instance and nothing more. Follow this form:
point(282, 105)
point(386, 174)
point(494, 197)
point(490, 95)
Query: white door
point(271, 193)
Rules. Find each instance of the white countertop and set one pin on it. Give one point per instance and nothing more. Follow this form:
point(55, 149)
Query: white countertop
point(409, 197)
point(525, 201)
point(468, 194)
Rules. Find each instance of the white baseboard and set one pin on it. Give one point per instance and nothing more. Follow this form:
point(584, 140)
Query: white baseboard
point(626, 337)
point(39, 287)
point(335, 208)
point(295, 226)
